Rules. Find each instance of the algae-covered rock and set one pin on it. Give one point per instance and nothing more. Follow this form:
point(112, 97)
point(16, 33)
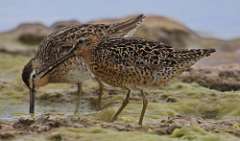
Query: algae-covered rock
point(223, 78)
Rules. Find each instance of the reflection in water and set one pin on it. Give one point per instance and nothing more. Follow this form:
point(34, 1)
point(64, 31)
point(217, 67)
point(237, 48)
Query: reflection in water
point(11, 111)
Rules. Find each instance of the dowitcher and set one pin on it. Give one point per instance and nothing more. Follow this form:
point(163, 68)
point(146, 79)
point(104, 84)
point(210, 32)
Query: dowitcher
point(137, 64)
point(73, 70)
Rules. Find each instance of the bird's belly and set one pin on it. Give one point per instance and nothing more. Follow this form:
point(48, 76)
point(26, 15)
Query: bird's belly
point(72, 71)
point(78, 75)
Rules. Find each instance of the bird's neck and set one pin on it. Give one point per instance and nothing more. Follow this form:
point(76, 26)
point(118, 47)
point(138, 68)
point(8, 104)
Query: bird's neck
point(86, 54)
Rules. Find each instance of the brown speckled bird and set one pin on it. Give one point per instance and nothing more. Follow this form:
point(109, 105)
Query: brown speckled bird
point(58, 44)
point(137, 64)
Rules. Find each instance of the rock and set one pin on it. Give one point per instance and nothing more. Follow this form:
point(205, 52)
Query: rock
point(168, 98)
point(160, 28)
point(7, 132)
point(171, 100)
point(166, 130)
point(31, 33)
point(31, 38)
point(23, 123)
point(222, 77)
point(42, 123)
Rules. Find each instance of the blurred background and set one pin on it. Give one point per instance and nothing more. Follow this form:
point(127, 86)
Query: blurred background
point(210, 91)
point(191, 24)
point(216, 18)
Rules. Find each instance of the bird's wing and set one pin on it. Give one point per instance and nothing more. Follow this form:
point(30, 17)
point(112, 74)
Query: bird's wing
point(134, 51)
point(155, 56)
point(56, 45)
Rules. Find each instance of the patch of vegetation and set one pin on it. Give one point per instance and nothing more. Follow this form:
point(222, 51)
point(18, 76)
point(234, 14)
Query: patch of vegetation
point(12, 63)
point(100, 134)
point(191, 100)
point(198, 134)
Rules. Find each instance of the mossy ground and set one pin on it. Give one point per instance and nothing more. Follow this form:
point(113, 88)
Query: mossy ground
point(178, 98)
point(94, 134)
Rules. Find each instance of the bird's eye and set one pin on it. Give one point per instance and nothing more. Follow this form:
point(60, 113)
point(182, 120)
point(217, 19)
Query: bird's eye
point(34, 75)
point(82, 40)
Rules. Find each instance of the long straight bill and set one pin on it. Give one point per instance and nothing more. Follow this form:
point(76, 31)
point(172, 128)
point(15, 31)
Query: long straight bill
point(32, 98)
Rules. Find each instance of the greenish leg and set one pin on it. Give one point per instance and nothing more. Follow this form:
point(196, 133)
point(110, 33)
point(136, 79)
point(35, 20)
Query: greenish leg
point(100, 94)
point(79, 92)
point(145, 103)
point(124, 104)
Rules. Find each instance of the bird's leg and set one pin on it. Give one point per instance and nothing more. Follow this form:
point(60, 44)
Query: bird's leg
point(124, 104)
point(145, 103)
point(79, 92)
point(100, 94)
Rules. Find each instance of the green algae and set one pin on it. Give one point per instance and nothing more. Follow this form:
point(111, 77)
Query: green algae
point(100, 134)
point(198, 134)
point(193, 99)
point(108, 135)
point(105, 114)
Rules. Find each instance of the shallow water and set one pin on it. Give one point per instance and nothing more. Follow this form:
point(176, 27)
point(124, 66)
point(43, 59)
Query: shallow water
point(11, 111)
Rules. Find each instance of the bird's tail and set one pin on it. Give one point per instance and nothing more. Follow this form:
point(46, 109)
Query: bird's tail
point(126, 27)
point(192, 55)
point(184, 59)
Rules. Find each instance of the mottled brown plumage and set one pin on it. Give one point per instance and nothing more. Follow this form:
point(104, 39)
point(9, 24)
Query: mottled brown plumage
point(137, 64)
point(58, 44)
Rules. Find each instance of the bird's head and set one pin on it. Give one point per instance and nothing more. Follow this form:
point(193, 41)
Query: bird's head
point(32, 79)
point(29, 76)
point(27, 73)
